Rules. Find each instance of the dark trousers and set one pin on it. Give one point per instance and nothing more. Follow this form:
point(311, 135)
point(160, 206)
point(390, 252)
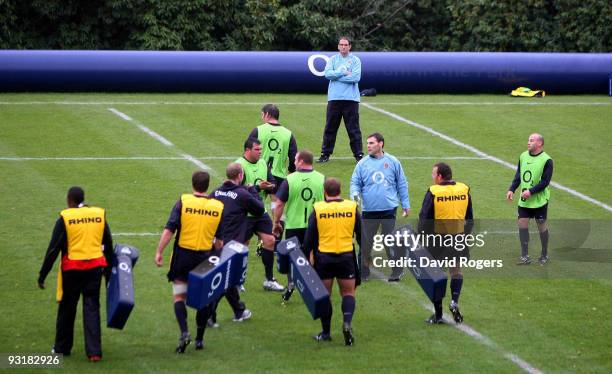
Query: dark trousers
point(233, 298)
point(336, 111)
point(371, 222)
point(75, 283)
point(232, 295)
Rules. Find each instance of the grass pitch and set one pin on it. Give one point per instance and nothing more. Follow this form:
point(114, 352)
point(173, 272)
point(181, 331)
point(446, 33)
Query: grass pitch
point(553, 318)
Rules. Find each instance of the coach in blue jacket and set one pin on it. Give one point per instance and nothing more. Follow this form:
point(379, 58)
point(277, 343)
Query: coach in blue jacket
point(344, 72)
point(379, 181)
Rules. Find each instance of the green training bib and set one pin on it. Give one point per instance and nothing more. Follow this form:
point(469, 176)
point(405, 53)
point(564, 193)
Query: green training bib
point(275, 143)
point(305, 189)
point(532, 168)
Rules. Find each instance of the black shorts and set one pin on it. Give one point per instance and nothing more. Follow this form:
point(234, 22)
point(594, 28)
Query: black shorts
point(278, 181)
point(184, 260)
point(332, 265)
point(298, 233)
point(538, 213)
point(258, 224)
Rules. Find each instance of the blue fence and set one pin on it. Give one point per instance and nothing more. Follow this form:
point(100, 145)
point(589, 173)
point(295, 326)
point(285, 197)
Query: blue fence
point(391, 72)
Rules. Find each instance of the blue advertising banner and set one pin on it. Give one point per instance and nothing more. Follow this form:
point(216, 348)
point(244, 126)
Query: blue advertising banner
point(300, 72)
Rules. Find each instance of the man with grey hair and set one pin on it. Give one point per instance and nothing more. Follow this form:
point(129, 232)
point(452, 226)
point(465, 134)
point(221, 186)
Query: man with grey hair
point(533, 175)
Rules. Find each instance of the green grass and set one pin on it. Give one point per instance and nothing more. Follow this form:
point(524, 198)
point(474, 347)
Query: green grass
point(555, 318)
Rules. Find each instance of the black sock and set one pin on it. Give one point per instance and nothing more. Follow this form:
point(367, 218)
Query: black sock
point(544, 240)
point(213, 309)
point(180, 310)
point(267, 258)
point(326, 319)
point(455, 286)
point(524, 238)
point(438, 308)
point(348, 308)
point(201, 321)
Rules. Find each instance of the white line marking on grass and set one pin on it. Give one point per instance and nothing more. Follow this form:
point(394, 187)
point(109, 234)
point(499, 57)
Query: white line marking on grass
point(203, 103)
point(121, 115)
point(87, 158)
point(418, 158)
point(484, 155)
point(164, 141)
point(195, 161)
point(136, 233)
point(469, 103)
point(466, 329)
point(155, 135)
point(210, 158)
point(142, 127)
point(160, 103)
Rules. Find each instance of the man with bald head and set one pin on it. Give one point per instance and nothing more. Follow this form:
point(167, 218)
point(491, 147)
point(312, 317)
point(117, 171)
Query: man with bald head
point(239, 201)
point(533, 175)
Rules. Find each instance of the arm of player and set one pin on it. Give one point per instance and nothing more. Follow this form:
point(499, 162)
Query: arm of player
point(357, 229)
point(218, 244)
point(107, 242)
point(355, 73)
point(171, 226)
point(427, 213)
point(402, 189)
point(311, 238)
point(515, 182)
point(266, 186)
point(218, 239)
point(545, 179)
point(291, 153)
point(163, 242)
point(282, 196)
point(469, 216)
point(356, 184)
point(277, 229)
point(57, 242)
point(330, 73)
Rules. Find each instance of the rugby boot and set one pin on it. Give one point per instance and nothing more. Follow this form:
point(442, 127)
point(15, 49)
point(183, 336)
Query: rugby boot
point(349, 339)
point(524, 260)
point(433, 320)
point(454, 308)
point(184, 341)
point(321, 337)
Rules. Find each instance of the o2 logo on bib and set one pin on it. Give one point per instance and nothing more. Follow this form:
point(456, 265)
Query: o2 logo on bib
point(379, 178)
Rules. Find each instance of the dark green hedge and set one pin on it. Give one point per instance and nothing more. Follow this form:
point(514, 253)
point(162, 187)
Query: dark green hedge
point(375, 25)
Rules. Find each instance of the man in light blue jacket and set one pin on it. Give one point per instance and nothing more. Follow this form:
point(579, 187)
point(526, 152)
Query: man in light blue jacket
point(379, 182)
point(344, 72)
